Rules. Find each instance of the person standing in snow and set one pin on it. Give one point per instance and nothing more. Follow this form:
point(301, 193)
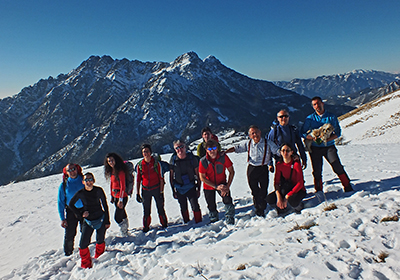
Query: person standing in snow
point(72, 182)
point(206, 134)
point(321, 149)
point(151, 180)
point(115, 170)
point(95, 216)
point(259, 158)
point(284, 132)
point(212, 173)
point(184, 180)
point(288, 182)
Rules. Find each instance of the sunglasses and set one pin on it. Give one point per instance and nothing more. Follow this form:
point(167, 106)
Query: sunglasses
point(89, 180)
point(283, 116)
point(71, 169)
point(180, 147)
point(212, 149)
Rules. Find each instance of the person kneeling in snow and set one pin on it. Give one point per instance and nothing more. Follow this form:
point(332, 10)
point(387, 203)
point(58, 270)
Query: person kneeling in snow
point(212, 173)
point(288, 182)
point(95, 217)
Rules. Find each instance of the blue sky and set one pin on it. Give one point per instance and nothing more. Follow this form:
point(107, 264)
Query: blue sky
point(263, 39)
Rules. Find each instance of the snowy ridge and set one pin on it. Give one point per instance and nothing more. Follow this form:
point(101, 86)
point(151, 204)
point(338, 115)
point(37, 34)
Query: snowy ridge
point(340, 88)
point(375, 122)
point(350, 242)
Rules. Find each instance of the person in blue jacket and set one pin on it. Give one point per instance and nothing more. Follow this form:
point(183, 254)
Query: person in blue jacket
point(321, 149)
point(284, 132)
point(72, 182)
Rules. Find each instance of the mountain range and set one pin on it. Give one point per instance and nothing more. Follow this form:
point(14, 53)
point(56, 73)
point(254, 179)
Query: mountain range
point(109, 105)
point(361, 85)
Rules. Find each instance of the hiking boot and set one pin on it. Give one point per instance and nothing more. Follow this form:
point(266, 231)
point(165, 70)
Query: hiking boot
point(123, 226)
point(230, 220)
point(213, 216)
point(260, 213)
point(299, 207)
point(348, 188)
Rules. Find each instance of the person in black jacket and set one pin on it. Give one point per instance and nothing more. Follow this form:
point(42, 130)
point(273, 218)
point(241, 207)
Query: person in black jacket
point(95, 216)
point(184, 180)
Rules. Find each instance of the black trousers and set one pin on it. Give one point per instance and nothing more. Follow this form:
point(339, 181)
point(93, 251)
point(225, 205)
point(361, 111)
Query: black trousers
point(190, 195)
point(293, 200)
point(87, 232)
point(120, 214)
point(147, 196)
point(258, 179)
point(211, 197)
point(331, 155)
point(70, 231)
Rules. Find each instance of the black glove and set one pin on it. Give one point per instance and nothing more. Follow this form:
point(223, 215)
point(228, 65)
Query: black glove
point(112, 200)
point(175, 194)
point(139, 198)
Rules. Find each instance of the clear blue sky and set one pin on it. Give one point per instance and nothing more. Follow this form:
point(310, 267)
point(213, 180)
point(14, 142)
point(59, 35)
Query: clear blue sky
point(264, 39)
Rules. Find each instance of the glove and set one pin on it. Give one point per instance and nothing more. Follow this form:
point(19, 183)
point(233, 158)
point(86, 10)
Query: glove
point(139, 198)
point(175, 194)
point(112, 200)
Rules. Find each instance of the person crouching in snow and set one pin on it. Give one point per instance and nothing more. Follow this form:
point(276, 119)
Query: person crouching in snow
point(95, 217)
point(288, 182)
point(212, 173)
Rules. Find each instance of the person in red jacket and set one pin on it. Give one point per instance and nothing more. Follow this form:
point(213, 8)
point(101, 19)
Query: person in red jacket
point(212, 169)
point(288, 182)
point(150, 178)
point(115, 170)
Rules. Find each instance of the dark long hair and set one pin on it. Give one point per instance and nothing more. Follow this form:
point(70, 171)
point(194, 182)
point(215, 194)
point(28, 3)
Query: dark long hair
point(119, 165)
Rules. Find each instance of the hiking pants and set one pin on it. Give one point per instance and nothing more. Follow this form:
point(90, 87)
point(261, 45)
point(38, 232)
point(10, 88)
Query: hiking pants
point(258, 179)
point(331, 155)
point(190, 195)
point(147, 195)
point(87, 232)
point(120, 214)
point(210, 199)
point(70, 231)
point(294, 200)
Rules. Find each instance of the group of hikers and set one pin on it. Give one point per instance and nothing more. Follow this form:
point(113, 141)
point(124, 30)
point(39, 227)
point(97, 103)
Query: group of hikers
point(79, 201)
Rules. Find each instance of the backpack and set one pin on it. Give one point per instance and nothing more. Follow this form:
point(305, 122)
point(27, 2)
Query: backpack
point(157, 158)
point(129, 178)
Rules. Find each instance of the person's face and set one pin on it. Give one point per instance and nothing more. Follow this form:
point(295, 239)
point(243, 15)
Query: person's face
point(286, 152)
point(88, 181)
point(318, 106)
point(206, 136)
point(111, 162)
point(212, 152)
point(180, 150)
point(72, 171)
point(146, 153)
point(283, 118)
point(255, 134)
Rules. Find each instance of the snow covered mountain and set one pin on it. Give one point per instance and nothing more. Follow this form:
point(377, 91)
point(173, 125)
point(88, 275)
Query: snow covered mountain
point(115, 105)
point(338, 89)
